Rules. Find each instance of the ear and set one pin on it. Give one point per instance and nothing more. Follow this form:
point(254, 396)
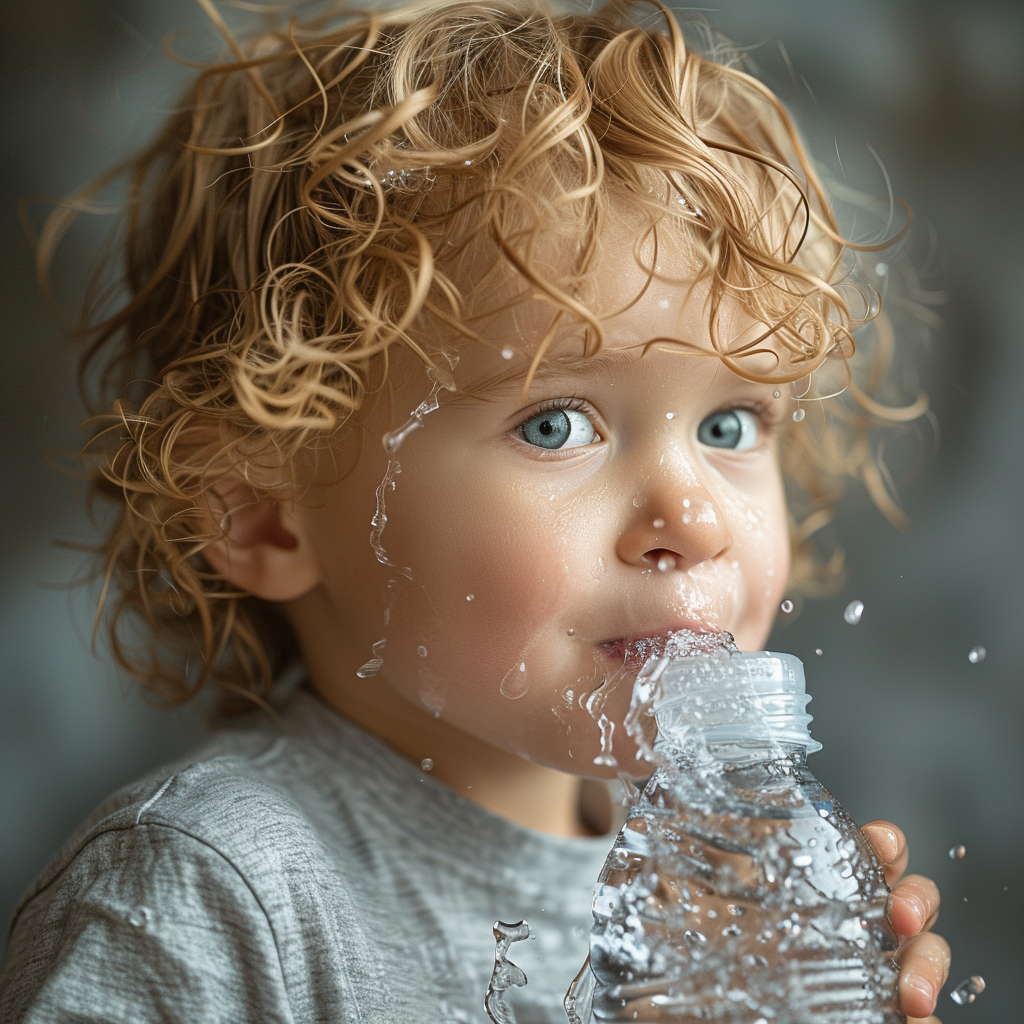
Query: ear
point(262, 548)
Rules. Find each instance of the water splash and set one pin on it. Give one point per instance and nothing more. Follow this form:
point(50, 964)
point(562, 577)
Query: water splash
point(607, 727)
point(393, 440)
point(506, 974)
point(441, 380)
point(516, 682)
point(680, 643)
point(969, 990)
point(854, 611)
point(373, 666)
point(976, 655)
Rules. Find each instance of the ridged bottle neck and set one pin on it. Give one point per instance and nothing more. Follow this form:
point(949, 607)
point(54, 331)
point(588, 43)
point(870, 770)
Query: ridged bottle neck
point(733, 708)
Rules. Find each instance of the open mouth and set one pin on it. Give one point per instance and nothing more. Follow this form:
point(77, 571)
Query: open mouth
point(676, 643)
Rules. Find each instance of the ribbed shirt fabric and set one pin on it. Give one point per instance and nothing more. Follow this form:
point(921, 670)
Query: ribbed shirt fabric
point(298, 870)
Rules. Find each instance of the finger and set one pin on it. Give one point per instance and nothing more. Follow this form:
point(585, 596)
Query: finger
point(914, 905)
point(890, 847)
point(923, 1020)
point(924, 966)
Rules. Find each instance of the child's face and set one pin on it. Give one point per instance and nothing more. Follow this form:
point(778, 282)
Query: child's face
point(632, 494)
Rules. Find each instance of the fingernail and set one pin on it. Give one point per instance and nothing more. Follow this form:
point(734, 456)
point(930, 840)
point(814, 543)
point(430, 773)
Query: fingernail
point(885, 842)
point(921, 984)
point(918, 907)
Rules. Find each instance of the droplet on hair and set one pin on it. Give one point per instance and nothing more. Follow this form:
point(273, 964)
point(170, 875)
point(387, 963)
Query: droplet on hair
point(787, 606)
point(427, 763)
point(798, 415)
point(976, 654)
point(854, 611)
point(507, 353)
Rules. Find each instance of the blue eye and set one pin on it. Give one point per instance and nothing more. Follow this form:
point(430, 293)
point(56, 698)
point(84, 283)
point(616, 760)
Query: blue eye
point(558, 428)
point(733, 428)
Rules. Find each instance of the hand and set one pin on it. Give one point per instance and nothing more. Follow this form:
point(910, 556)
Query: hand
point(913, 908)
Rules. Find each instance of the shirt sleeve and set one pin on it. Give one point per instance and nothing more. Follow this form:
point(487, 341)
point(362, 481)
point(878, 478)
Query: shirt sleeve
point(145, 924)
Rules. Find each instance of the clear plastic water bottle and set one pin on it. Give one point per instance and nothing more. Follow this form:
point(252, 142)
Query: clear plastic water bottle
point(738, 889)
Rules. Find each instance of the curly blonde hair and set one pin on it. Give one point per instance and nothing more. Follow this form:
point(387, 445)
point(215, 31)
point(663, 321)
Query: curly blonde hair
point(310, 200)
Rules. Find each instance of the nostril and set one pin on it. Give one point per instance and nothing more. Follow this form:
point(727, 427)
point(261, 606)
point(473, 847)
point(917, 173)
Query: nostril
point(661, 559)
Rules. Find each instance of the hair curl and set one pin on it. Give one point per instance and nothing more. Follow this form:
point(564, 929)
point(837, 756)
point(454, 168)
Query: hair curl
point(310, 200)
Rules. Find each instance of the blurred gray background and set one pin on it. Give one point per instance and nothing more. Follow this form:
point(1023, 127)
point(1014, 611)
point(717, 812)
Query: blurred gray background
point(912, 730)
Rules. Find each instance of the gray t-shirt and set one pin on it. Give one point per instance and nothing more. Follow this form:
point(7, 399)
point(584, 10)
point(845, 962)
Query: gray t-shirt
point(296, 871)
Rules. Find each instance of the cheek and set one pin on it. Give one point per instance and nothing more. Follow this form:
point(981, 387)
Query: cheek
point(494, 565)
point(761, 554)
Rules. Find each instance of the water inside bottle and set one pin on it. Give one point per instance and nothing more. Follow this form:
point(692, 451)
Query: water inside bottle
point(738, 890)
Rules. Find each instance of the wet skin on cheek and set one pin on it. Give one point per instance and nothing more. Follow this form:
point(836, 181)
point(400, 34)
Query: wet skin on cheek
point(556, 557)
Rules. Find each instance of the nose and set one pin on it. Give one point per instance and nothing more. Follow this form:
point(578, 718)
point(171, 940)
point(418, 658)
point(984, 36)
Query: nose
point(677, 525)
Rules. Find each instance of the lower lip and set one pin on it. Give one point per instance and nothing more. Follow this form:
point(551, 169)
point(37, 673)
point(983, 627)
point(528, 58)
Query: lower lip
point(635, 653)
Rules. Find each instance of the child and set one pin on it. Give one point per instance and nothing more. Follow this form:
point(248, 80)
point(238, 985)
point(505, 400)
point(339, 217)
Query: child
point(459, 365)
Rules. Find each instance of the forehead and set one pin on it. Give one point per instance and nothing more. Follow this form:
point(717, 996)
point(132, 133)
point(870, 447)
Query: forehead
point(640, 289)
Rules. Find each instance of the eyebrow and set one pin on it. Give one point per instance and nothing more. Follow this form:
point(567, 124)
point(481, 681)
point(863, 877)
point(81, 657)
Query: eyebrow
point(554, 368)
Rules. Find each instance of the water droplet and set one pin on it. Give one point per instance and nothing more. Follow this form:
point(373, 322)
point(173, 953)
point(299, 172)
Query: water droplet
point(670, 415)
point(372, 667)
point(421, 651)
point(787, 606)
point(138, 917)
point(666, 563)
point(798, 415)
point(469, 597)
point(663, 304)
point(776, 393)
point(607, 727)
point(686, 502)
point(468, 163)
point(638, 502)
point(854, 611)
point(516, 682)
point(427, 763)
point(658, 523)
point(969, 990)
point(977, 654)
point(818, 651)
point(571, 631)
point(881, 269)
point(958, 852)
point(507, 353)
point(506, 974)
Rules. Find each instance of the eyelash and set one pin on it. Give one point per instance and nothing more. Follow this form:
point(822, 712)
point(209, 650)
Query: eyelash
point(768, 414)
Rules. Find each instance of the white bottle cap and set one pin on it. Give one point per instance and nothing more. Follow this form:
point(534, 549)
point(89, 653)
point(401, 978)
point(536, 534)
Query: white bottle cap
point(736, 704)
